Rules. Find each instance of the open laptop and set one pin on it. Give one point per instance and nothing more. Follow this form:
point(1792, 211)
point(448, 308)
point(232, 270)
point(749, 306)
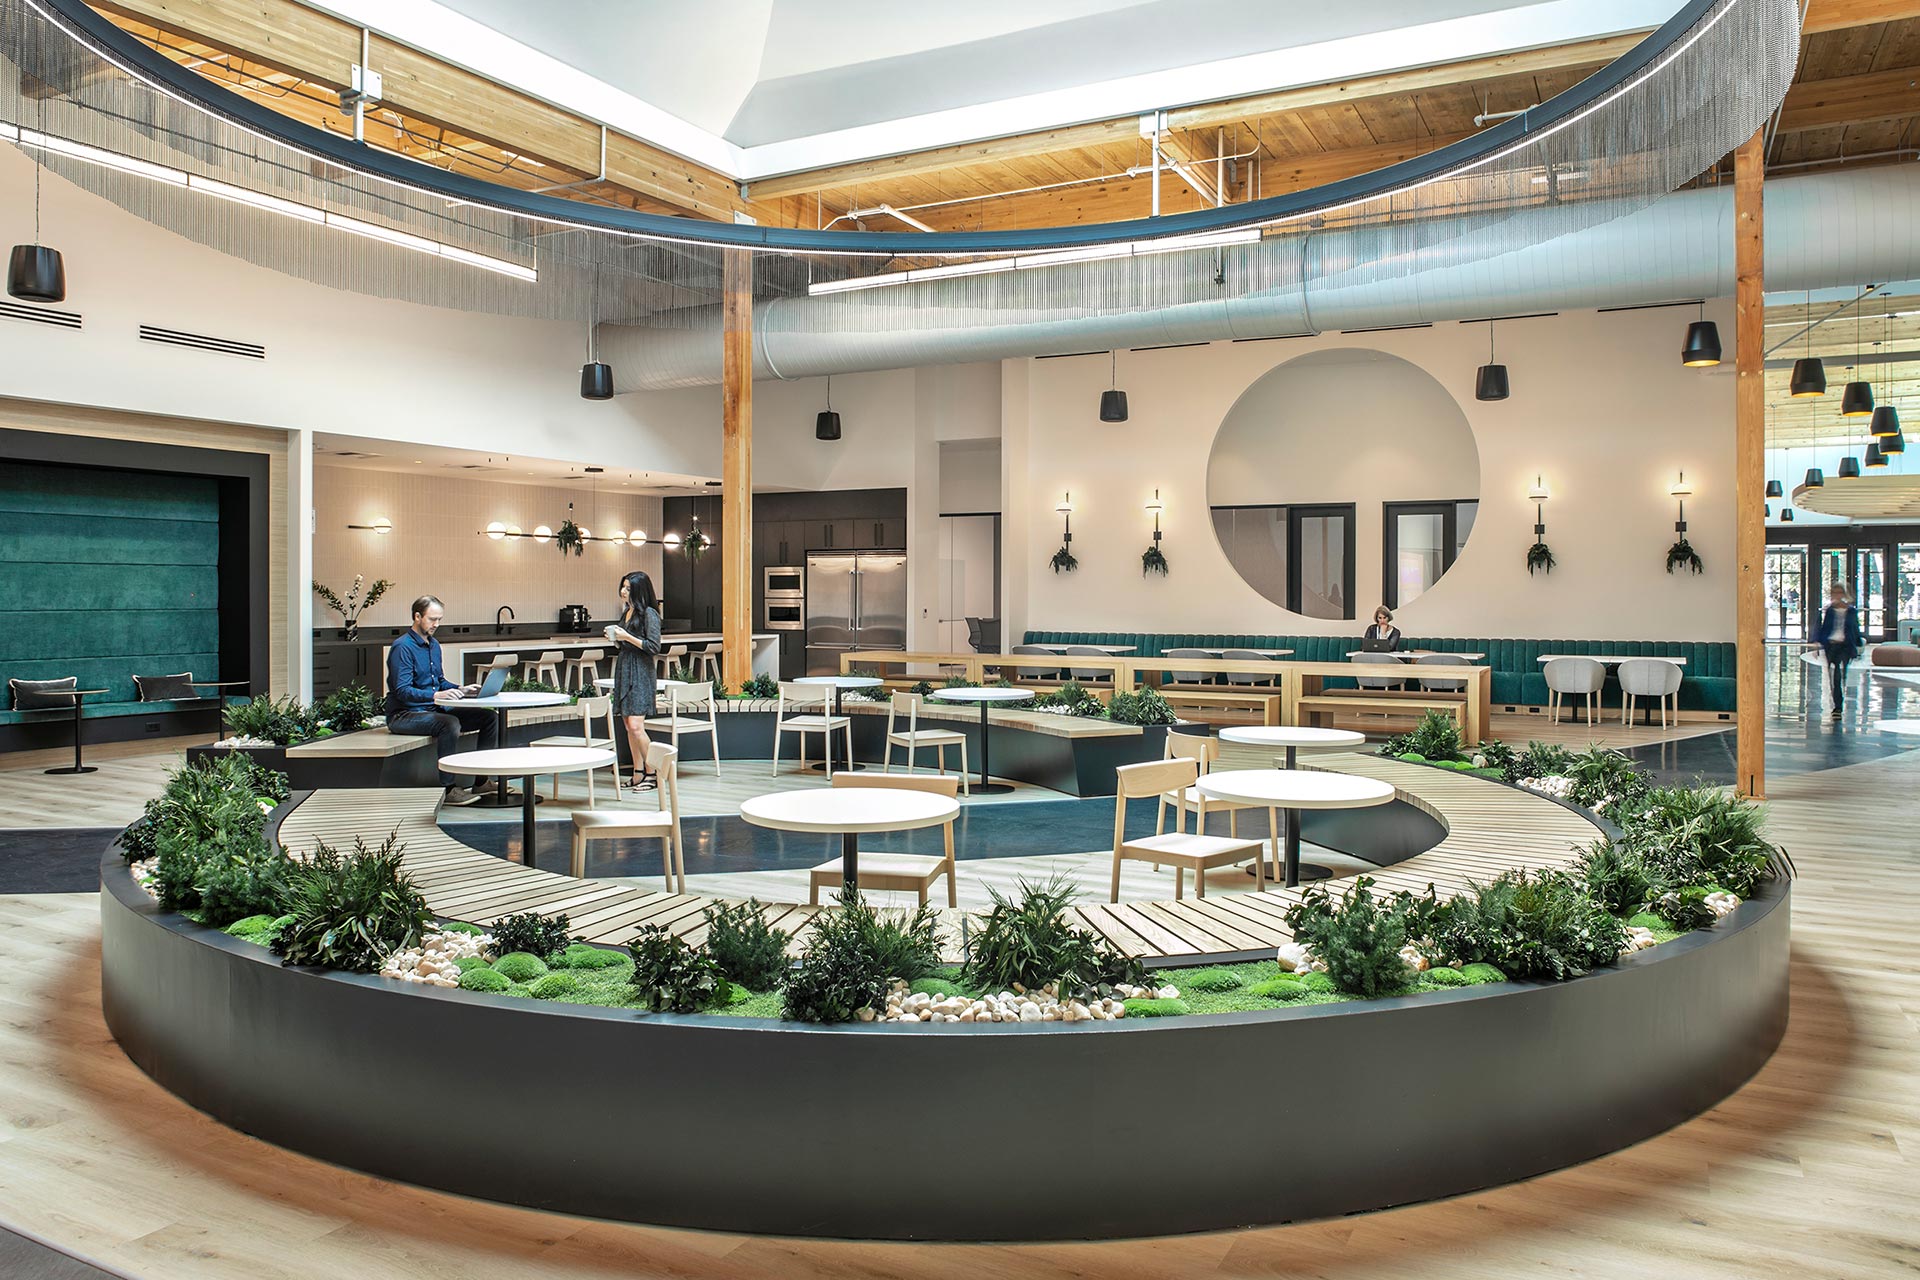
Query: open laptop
point(492, 684)
point(1375, 644)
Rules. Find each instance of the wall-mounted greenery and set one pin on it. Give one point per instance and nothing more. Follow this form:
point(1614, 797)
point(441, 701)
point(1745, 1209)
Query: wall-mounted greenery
point(567, 538)
point(1540, 558)
point(1682, 555)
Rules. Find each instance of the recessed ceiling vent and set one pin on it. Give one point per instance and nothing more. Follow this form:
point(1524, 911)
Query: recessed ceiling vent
point(200, 341)
point(346, 453)
point(471, 466)
point(40, 315)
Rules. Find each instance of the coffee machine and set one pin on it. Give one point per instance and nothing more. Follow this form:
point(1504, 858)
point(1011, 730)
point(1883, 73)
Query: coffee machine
point(575, 620)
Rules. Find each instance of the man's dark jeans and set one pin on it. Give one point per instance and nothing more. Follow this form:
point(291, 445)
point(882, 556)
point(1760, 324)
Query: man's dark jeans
point(445, 725)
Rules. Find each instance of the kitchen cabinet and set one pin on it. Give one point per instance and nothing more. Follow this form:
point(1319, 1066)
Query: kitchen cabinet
point(886, 534)
point(832, 535)
point(337, 664)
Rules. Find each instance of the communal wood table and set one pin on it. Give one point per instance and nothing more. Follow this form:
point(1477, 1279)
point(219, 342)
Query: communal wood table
point(849, 811)
point(526, 763)
point(1291, 790)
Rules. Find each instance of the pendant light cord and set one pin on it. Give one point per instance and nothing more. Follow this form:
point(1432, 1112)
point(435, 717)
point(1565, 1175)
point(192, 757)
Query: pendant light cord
point(829, 393)
point(39, 156)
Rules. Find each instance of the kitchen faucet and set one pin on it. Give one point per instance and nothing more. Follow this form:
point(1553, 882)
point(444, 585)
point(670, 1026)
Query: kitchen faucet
point(499, 626)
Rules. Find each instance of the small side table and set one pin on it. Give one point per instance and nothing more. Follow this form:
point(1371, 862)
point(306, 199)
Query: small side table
point(500, 704)
point(528, 763)
point(986, 698)
point(79, 696)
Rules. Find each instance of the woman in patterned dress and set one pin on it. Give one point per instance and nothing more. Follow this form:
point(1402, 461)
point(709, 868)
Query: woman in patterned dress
point(637, 640)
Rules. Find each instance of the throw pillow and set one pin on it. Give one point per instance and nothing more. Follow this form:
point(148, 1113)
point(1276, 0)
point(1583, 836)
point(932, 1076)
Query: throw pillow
point(42, 695)
point(165, 688)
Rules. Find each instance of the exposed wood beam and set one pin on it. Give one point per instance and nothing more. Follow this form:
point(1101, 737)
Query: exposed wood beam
point(1195, 165)
point(1893, 94)
point(1749, 485)
point(919, 163)
point(1835, 15)
point(736, 469)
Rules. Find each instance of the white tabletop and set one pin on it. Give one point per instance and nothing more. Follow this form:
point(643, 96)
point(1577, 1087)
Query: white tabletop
point(1610, 660)
point(527, 760)
point(1898, 726)
point(983, 695)
point(848, 809)
point(1280, 735)
point(1417, 654)
point(1295, 788)
point(606, 682)
point(500, 701)
point(1216, 652)
point(840, 682)
point(1111, 650)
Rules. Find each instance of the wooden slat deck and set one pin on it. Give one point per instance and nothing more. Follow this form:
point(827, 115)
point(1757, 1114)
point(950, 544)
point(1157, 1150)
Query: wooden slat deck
point(1490, 829)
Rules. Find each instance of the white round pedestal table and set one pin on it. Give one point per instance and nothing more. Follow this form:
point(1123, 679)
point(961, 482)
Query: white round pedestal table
point(1292, 790)
point(1911, 727)
point(1293, 739)
point(840, 684)
point(848, 811)
point(526, 763)
point(986, 698)
point(500, 704)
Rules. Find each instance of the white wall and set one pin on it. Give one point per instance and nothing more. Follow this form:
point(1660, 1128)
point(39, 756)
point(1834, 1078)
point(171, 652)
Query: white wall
point(969, 476)
point(436, 548)
point(1601, 407)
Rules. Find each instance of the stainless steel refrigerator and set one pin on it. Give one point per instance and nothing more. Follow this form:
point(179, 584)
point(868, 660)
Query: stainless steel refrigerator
point(856, 601)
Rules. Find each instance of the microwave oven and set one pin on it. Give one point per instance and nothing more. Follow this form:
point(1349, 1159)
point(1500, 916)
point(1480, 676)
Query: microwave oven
point(786, 615)
point(785, 580)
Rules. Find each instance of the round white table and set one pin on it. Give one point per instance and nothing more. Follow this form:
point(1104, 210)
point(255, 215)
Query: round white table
point(526, 763)
point(500, 704)
point(849, 811)
point(986, 698)
point(1291, 790)
point(840, 684)
point(1898, 726)
point(1293, 739)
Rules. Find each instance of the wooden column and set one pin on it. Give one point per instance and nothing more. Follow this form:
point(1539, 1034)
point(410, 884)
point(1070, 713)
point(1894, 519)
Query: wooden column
point(1750, 470)
point(736, 470)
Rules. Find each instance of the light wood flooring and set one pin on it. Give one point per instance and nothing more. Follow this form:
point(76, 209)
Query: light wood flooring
point(1806, 1172)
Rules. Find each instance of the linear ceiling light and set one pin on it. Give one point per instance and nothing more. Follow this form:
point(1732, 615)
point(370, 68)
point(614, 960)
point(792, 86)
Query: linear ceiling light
point(266, 203)
point(1031, 261)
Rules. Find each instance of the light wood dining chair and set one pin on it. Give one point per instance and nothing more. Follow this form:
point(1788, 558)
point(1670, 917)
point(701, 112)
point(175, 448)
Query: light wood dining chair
point(1205, 751)
point(704, 663)
point(589, 708)
point(1197, 853)
point(684, 701)
point(915, 738)
point(668, 661)
point(640, 824)
point(907, 872)
point(814, 703)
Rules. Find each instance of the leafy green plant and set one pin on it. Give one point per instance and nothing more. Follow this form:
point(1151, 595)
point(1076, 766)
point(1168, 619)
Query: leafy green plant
point(1617, 876)
point(1685, 908)
point(696, 542)
point(1143, 708)
point(553, 986)
point(191, 789)
point(761, 686)
point(520, 684)
point(568, 538)
point(1075, 697)
point(1358, 937)
point(241, 880)
point(1280, 988)
point(521, 966)
point(1531, 924)
point(1681, 555)
point(1701, 835)
point(672, 977)
point(1604, 778)
point(210, 824)
point(1497, 754)
point(1030, 940)
point(922, 687)
point(959, 682)
point(347, 709)
point(1153, 560)
point(1539, 760)
point(350, 606)
point(531, 932)
point(1154, 1007)
point(1540, 557)
point(1211, 980)
point(350, 912)
point(1436, 737)
point(282, 721)
point(1063, 560)
point(747, 949)
point(485, 979)
point(581, 955)
point(852, 954)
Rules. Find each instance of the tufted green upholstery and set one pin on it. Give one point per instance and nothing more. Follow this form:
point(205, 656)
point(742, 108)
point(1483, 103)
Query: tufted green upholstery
point(104, 574)
point(1707, 684)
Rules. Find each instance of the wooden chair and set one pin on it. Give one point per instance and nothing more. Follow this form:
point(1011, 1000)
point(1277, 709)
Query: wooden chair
point(499, 662)
point(1196, 853)
point(907, 872)
point(916, 738)
point(688, 698)
point(631, 824)
point(545, 667)
point(668, 661)
point(589, 708)
point(1205, 751)
point(822, 721)
point(583, 669)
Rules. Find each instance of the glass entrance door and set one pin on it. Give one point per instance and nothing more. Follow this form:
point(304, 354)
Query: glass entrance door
point(1786, 593)
point(1870, 591)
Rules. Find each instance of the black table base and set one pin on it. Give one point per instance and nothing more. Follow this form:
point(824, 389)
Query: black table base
point(850, 861)
point(985, 787)
point(78, 766)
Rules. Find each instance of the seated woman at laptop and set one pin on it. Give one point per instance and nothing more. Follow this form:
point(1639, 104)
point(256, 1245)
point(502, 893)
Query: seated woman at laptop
point(415, 679)
point(1382, 636)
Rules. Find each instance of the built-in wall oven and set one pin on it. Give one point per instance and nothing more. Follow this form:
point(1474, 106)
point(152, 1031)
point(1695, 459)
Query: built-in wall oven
point(784, 598)
point(785, 580)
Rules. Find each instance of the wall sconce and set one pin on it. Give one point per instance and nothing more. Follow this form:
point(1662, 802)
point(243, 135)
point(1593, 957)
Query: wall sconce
point(1539, 555)
point(542, 534)
point(671, 541)
point(496, 530)
point(1681, 553)
point(381, 525)
point(1152, 560)
point(1063, 561)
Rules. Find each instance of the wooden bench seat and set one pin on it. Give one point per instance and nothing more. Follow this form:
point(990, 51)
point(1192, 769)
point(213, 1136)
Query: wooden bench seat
point(1265, 703)
point(1385, 701)
point(361, 744)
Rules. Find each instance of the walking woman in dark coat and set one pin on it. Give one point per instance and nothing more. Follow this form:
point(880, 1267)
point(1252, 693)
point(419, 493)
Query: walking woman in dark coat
point(1839, 635)
point(637, 636)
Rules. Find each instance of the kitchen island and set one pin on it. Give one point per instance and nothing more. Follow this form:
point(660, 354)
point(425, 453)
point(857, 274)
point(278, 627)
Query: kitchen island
point(463, 657)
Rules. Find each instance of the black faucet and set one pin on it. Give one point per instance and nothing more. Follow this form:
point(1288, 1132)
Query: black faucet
point(499, 626)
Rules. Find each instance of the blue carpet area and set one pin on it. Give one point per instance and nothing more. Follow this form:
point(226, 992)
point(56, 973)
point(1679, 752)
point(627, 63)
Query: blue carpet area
point(53, 860)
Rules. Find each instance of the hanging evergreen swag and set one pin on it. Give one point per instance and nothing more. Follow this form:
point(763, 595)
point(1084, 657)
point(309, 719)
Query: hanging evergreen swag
point(697, 542)
point(1681, 554)
point(1063, 561)
point(1540, 558)
point(568, 539)
point(1153, 560)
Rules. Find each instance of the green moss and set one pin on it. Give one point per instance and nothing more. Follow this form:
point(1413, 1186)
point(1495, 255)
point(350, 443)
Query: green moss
point(580, 955)
point(519, 966)
point(252, 924)
point(1413, 757)
point(1648, 920)
point(553, 986)
point(468, 963)
point(1476, 974)
point(461, 926)
point(1157, 1008)
point(756, 1004)
point(1208, 980)
point(1317, 983)
point(935, 987)
point(1442, 976)
point(484, 980)
point(737, 994)
point(1278, 989)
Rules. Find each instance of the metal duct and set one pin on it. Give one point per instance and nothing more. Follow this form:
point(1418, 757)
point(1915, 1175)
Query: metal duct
point(1822, 230)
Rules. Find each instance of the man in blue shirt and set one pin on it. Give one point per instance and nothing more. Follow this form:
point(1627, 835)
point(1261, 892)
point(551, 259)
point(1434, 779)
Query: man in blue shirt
point(415, 679)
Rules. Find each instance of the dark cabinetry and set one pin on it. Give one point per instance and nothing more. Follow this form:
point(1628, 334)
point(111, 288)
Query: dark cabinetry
point(337, 664)
point(691, 586)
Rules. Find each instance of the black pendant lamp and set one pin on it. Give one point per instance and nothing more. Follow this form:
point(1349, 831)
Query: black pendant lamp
point(36, 273)
point(1490, 383)
point(1702, 349)
point(1886, 422)
point(1875, 458)
point(1816, 478)
point(1857, 400)
point(1786, 517)
point(826, 423)
point(1809, 375)
point(1849, 468)
point(1775, 489)
point(596, 377)
point(1113, 401)
point(1895, 443)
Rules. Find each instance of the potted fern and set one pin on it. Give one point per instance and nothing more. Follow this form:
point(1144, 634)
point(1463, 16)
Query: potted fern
point(697, 542)
point(1063, 560)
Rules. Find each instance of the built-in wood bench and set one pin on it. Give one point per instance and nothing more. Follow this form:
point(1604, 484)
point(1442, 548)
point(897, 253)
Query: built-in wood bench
point(364, 758)
point(1387, 701)
point(1265, 703)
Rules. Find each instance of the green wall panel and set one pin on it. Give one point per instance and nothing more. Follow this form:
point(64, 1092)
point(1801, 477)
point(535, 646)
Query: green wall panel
point(30, 588)
point(82, 491)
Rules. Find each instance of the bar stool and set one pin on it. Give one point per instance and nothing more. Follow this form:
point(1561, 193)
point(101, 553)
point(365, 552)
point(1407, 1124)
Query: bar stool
point(669, 660)
point(583, 669)
point(545, 667)
point(705, 663)
point(499, 662)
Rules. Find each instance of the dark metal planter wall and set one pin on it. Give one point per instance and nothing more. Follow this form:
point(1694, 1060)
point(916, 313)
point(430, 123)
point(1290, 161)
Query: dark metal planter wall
point(954, 1132)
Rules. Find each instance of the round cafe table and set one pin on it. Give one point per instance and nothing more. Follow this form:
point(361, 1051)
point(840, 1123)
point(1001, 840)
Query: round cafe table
point(1292, 790)
point(1294, 739)
point(840, 685)
point(986, 698)
point(526, 763)
point(849, 811)
point(500, 704)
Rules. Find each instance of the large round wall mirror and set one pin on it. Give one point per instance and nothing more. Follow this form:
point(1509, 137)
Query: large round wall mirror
point(1341, 480)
